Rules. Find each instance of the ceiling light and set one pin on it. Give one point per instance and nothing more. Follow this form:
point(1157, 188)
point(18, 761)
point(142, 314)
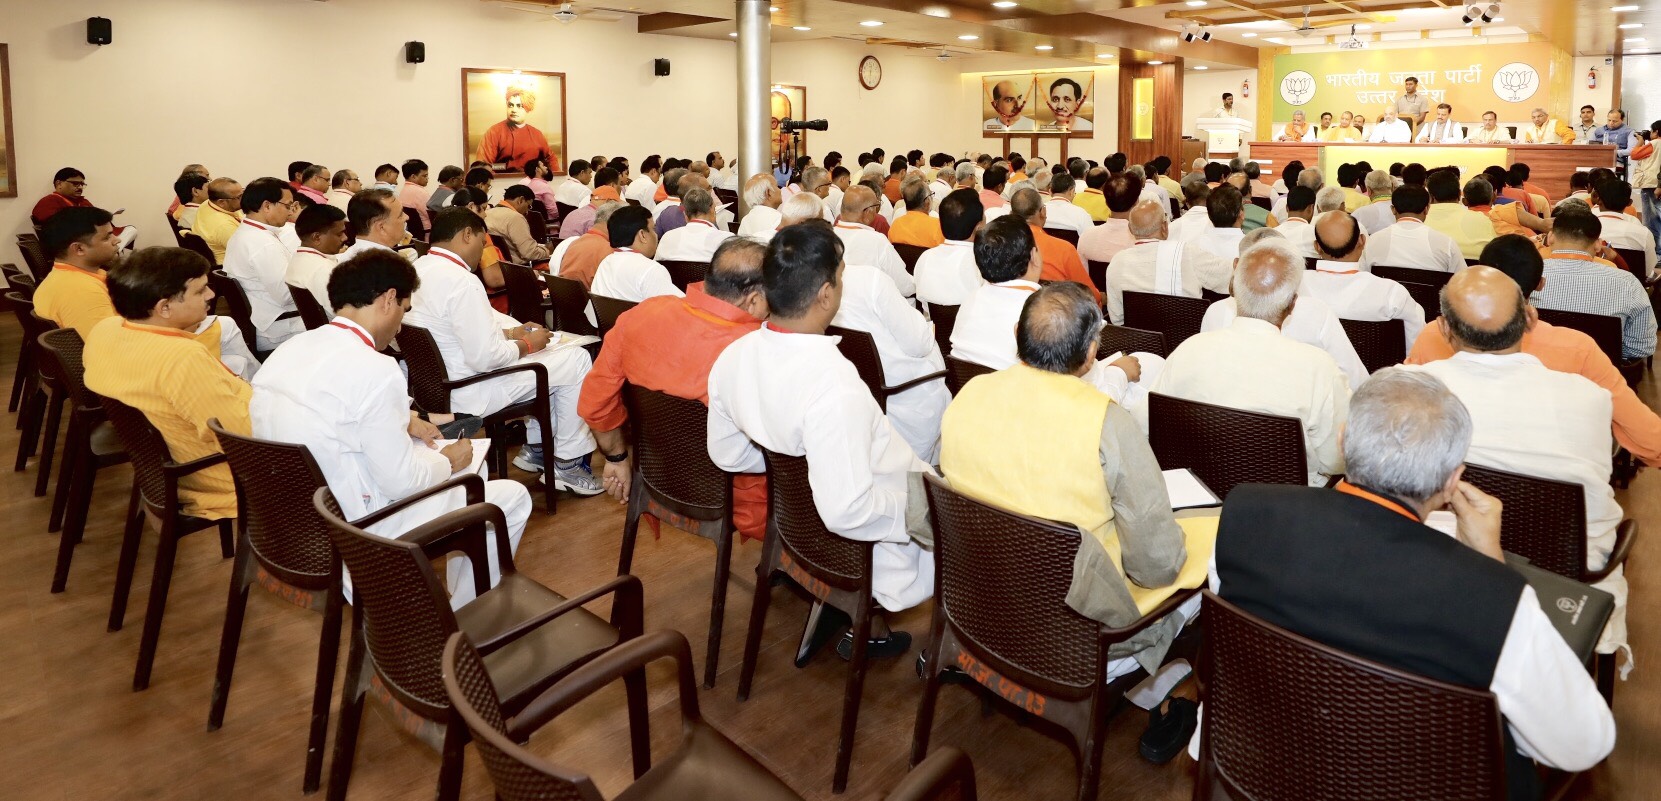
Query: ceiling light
point(1363, 27)
point(1497, 19)
point(1155, 63)
point(1202, 67)
point(1633, 39)
point(1275, 39)
point(871, 23)
point(968, 37)
point(1248, 35)
point(1005, 4)
point(772, 9)
point(734, 35)
point(1044, 47)
point(800, 28)
point(1196, 3)
point(1104, 55)
point(1627, 26)
point(1618, 9)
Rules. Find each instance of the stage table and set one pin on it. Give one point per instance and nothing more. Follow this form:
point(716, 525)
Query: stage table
point(1550, 166)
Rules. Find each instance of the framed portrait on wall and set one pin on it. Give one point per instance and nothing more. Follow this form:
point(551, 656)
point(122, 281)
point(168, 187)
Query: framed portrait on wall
point(8, 156)
point(787, 102)
point(512, 116)
point(1067, 103)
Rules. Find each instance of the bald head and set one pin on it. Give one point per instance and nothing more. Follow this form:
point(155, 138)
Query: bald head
point(1059, 328)
point(1483, 311)
point(1338, 237)
point(1147, 220)
point(1028, 205)
point(860, 205)
point(1266, 279)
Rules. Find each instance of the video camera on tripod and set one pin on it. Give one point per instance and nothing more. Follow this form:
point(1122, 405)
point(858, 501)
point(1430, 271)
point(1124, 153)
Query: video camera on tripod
point(792, 126)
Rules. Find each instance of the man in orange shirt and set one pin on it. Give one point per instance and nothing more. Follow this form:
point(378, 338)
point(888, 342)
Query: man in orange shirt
point(582, 259)
point(1636, 426)
point(896, 177)
point(668, 344)
point(1061, 259)
point(916, 226)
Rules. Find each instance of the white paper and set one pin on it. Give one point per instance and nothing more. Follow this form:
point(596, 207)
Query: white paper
point(560, 344)
point(1443, 520)
point(481, 449)
point(1186, 491)
point(1156, 688)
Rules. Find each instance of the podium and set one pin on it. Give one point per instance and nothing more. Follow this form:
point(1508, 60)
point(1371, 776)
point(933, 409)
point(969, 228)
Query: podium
point(1225, 137)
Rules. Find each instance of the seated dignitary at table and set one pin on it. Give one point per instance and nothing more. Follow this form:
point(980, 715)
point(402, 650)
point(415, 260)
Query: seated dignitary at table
point(1408, 242)
point(1391, 129)
point(1441, 130)
point(984, 333)
point(1528, 418)
point(1354, 568)
point(258, 261)
point(1155, 264)
point(1637, 427)
point(149, 359)
point(946, 274)
point(1251, 364)
point(1574, 282)
point(322, 230)
point(629, 273)
point(668, 344)
point(698, 239)
point(1035, 439)
point(1489, 132)
point(1351, 292)
point(475, 338)
point(332, 390)
point(786, 388)
point(863, 245)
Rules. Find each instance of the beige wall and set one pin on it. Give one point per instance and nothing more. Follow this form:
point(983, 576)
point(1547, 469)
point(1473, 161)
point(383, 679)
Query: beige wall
point(971, 112)
point(1202, 93)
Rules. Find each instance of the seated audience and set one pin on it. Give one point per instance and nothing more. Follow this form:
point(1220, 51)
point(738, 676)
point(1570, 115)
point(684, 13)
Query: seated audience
point(917, 226)
point(863, 245)
point(68, 191)
point(192, 191)
point(1061, 259)
point(507, 220)
point(148, 359)
point(1384, 590)
point(1225, 211)
point(579, 258)
point(1507, 218)
point(1102, 242)
point(386, 177)
point(786, 388)
point(322, 232)
point(574, 190)
point(82, 245)
point(259, 262)
point(1093, 200)
point(334, 391)
point(946, 274)
point(450, 179)
point(314, 184)
point(1195, 220)
point(1408, 242)
point(1311, 178)
point(220, 217)
point(1470, 230)
point(1059, 209)
point(1528, 418)
point(643, 189)
point(606, 188)
point(377, 222)
point(668, 215)
point(1622, 230)
point(1155, 264)
point(699, 238)
point(413, 195)
point(190, 169)
point(1251, 364)
point(343, 186)
point(1351, 292)
point(1378, 214)
point(630, 273)
point(1297, 227)
point(1574, 282)
point(761, 195)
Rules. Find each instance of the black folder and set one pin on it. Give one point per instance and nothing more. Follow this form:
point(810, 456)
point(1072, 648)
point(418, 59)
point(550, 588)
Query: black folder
point(1578, 611)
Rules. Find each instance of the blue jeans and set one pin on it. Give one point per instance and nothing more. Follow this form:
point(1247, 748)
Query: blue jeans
point(1651, 209)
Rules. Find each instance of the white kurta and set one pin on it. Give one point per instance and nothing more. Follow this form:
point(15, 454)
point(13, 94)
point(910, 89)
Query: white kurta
point(330, 391)
point(310, 270)
point(1480, 135)
point(1062, 213)
point(1394, 131)
point(1251, 365)
point(452, 305)
point(628, 275)
point(572, 193)
point(796, 395)
point(1311, 322)
point(905, 343)
point(643, 190)
point(1445, 132)
point(258, 262)
point(290, 237)
point(863, 245)
point(1301, 234)
point(1224, 243)
point(1375, 216)
point(1411, 243)
point(1353, 294)
point(339, 198)
point(947, 275)
point(759, 220)
point(695, 241)
point(1622, 231)
point(1192, 223)
point(1136, 269)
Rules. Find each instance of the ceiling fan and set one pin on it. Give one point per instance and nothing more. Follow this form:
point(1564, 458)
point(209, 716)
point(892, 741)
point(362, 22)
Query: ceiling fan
point(566, 13)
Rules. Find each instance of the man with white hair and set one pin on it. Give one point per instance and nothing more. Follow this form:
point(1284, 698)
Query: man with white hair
point(762, 196)
point(1153, 264)
point(1251, 364)
point(1310, 178)
point(800, 207)
point(698, 239)
point(1377, 214)
point(1545, 130)
point(816, 181)
point(863, 245)
point(1354, 293)
point(1400, 593)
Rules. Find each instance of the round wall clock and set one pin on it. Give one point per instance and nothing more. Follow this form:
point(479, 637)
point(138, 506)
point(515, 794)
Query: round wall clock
point(870, 72)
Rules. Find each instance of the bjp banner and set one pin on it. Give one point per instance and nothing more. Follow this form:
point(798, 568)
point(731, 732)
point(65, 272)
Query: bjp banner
point(1509, 80)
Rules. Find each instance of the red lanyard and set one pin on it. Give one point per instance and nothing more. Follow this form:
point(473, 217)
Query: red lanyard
point(256, 225)
point(447, 257)
point(356, 333)
point(313, 251)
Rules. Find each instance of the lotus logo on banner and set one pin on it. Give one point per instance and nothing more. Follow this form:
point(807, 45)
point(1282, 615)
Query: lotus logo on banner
point(1297, 88)
point(1516, 82)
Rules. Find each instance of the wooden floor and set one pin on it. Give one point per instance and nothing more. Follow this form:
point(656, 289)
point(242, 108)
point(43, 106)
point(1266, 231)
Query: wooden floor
point(71, 728)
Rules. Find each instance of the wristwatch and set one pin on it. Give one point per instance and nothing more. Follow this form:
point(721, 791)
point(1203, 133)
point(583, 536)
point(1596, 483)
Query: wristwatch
point(621, 457)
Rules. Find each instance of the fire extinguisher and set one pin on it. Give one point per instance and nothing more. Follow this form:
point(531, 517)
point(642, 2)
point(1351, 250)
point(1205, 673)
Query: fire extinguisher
point(1245, 88)
point(1592, 79)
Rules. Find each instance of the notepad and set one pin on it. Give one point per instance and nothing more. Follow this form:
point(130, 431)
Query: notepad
point(1187, 491)
point(561, 343)
point(481, 449)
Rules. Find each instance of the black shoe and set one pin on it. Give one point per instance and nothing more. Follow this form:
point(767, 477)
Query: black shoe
point(897, 643)
point(1169, 731)
point(823, 624)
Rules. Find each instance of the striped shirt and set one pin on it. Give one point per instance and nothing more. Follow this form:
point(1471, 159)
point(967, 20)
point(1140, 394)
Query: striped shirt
point(1576, 283)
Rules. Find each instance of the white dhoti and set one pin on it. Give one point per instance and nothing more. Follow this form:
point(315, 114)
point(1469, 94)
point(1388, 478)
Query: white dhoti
point(566, 370)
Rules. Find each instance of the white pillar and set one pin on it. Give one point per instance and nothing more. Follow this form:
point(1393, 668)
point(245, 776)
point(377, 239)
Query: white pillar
point(755, 70)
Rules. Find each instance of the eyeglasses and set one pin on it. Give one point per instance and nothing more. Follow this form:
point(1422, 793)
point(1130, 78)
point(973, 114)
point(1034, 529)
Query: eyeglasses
point(76, 183)
point(289, 205)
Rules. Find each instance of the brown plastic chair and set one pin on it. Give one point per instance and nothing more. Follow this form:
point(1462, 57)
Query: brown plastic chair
point(283, 546)
point(1177, 317)
point(1118, 338)
point(946, 775)
point(1604, 329)
point(34, 256)
point(675, 479)
point(412, 223)
point(686, 273)
point(564, 210)
point(1098, 273)
point(531, 636)
point(1067, 235)
point(526, 301)
point(90, 445)
point(538, 223)
point(1001, 618)
point(199, 246)
point(1288, 719)
point(861, 349)
point(1262, 203)
point(501, 243)
point(237, 307)
point(42, 400)
point(1380, 344)
point(959, 371)
point(23, 287)
point(944, 319)
point(1634, 263)
point(312, 313)
point(430, 385)
point(156, 494)
point(1414, 275)
point(834, 570)
point(910, 254)
point(607, 310)
point(570, 301)
point(1224, 446)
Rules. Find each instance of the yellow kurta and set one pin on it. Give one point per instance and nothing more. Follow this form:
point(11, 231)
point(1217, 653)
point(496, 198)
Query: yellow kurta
point(1093, 201)
point(1354, 201)
point(215, 226)
point(74, 298)
point(1552, 133)
point(179, 386)
point(1341, 134)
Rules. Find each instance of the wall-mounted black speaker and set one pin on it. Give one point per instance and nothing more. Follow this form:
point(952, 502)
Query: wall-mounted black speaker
point(415, 52)
point(99, 31)
point(660, 66)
